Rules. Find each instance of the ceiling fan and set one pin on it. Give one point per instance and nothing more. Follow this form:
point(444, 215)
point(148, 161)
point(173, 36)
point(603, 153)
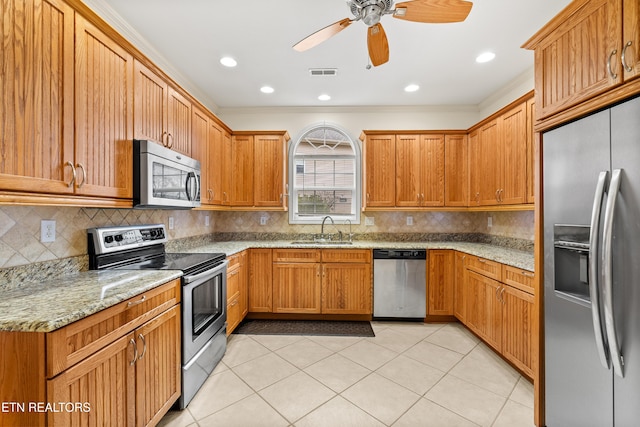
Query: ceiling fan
point(370, 12)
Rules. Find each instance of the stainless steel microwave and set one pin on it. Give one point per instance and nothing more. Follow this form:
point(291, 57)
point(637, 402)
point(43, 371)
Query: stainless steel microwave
point(163, 178)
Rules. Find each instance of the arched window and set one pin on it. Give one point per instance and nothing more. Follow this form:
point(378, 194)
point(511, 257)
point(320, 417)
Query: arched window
point(324, 176)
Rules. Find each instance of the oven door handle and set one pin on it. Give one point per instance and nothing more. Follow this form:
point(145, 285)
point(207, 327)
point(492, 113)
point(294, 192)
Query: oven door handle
point(209, 273)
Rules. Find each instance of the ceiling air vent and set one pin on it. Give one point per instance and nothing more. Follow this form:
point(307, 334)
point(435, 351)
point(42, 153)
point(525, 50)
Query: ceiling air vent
point(319, 72)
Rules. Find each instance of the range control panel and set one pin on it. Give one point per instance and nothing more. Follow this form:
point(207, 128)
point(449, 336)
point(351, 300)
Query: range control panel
point(111, 239)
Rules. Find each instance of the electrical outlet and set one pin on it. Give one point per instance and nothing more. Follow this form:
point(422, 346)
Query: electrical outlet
point(409, 220)
point(489, 222)
point(171, 223)
point(263, 220)
point(47, 231)
point(369, 221)
point(206, 220)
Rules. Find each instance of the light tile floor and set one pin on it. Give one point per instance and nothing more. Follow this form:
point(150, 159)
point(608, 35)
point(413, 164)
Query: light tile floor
point(410, 374)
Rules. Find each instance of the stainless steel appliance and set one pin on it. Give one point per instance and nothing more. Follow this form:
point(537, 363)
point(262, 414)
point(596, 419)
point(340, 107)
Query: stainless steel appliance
point(163, 178)
point(399, 283)
point(204, 292)
point(591, 190)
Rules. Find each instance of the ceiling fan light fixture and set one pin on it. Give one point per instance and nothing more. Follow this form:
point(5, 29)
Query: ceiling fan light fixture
point(485, 57)
point(371, 15)
point(411, 88)
point(324, 97)
point(228, 61)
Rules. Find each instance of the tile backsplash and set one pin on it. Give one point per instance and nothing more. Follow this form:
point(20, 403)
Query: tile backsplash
point(20, 226)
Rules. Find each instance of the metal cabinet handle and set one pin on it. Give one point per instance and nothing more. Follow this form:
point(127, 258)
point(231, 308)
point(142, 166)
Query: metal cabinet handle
point(224, 196)
point(368, 198)
point(594, 278)
point(607, 258)
point(318, 271)
point(281, 198)
point(477, 197)
point(528, 274)
point(73, 172)
point(624, 61)
point(498, 196)
point(140, 301)
point(135, 352)
point(611, 73)
point(84, 174)
point(210, 193)
point(144, 346)
point(163, 139)
point(501, 295)
point(169, 140)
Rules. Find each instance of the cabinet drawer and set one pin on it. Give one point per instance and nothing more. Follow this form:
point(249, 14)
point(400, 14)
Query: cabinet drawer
point(234, 260)
point(296, 255)
point(75, 342)
point(347, 255)
point(485, 267)
point(233, 315)
point(519, 278)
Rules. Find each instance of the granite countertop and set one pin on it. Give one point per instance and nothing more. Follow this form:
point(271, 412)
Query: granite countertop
point(512, 257)
point(52, 304)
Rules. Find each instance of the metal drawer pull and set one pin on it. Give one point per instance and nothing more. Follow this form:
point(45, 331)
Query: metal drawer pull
point(84, 174)
point(140, 301)
point(144, 346)
point(611, 73)
point(624, 61)
point(73, 176)
point(527, 274)
point(135, 352)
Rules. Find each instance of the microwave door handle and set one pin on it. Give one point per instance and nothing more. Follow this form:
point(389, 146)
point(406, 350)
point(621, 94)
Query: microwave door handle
point(188, 186)
point(607, 257)
point(594, 282)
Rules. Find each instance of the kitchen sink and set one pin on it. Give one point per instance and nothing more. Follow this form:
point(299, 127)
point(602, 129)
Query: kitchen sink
point(321, 242)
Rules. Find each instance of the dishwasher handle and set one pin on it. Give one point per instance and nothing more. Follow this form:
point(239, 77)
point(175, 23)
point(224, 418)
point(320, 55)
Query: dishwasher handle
point(399, 254)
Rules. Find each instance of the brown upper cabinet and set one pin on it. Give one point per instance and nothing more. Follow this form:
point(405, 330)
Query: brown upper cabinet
point(162, 114)
point(379, 154)
point(589, 48)
point(456, 170)
point(498, 159)
point(419, 170)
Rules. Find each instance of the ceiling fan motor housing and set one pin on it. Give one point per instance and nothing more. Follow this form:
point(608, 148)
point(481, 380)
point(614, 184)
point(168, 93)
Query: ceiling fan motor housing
point(370, 11)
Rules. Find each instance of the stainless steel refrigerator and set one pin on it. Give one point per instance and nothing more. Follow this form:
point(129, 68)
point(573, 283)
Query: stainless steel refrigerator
point(591, 193)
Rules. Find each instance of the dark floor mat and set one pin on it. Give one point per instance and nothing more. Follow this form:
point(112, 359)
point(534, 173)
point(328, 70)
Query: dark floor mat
point(305, 327)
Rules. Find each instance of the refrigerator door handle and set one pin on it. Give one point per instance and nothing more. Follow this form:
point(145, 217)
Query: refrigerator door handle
point(607, 294)
point(594, 285)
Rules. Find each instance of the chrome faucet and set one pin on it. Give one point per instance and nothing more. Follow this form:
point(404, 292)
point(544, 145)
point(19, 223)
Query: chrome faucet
point(350, 233)
point(323, 221)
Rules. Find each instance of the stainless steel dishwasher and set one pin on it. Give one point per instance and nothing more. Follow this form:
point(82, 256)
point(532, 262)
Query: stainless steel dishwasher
point(399, 283)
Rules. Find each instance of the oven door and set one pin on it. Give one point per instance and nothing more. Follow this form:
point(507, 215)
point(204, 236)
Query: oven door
point(204, 308)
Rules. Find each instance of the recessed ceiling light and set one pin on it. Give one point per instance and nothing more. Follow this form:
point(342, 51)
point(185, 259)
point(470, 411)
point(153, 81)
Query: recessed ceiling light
point(485, 57)
point(324, 97)
point(228, 61)
point(411, 88)
point(266, 89)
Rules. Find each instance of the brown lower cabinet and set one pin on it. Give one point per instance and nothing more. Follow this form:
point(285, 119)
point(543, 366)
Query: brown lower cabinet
point(311, 281)
point(237, 290)
point(121, 365)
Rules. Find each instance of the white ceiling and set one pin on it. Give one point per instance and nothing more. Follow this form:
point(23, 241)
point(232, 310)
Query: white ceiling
point(192, 36)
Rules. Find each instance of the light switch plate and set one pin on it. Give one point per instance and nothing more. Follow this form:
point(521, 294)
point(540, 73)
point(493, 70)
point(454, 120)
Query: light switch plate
point(369, 220)
point(409, 220)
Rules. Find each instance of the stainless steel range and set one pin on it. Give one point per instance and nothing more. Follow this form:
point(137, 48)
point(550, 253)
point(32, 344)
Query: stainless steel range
point(204, 289)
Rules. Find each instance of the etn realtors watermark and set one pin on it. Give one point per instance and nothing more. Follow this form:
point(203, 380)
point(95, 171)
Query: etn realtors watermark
point(33, 407)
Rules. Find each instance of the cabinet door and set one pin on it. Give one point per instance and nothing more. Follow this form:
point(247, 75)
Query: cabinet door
point(227, 177)
point(106, 381)
point(408, 170)
point(296, 288)
point(150, 104)
point(241, 170)
point(517, 320)
point(440, 282)
point(489, 157)
point(475, 168)
point(216, 163)
point(178, 122)
point(571, 61)
point(269, 165)
point(533, 139)
point(459, 288)
point(456, 170)
point(104, 114)
point(346, 288)
point(379, 189)
point(200, 150)
point(158, 367)
point(243, 285)
point(513, 146)
point(260, 281)
point(36, 88)
point(484, 308)
point(432, 170)
point(631, 38)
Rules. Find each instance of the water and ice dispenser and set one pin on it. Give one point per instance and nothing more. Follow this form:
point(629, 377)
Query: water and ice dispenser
point(571, 254)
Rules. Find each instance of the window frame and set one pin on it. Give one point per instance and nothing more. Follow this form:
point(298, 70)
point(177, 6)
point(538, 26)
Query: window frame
point(292, 165)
